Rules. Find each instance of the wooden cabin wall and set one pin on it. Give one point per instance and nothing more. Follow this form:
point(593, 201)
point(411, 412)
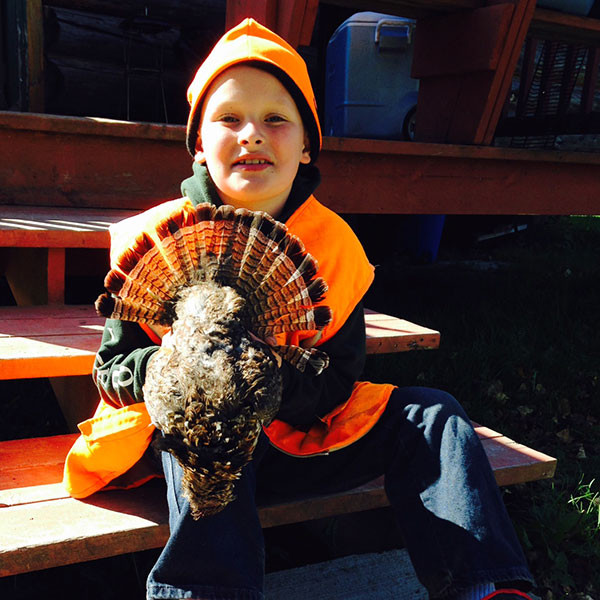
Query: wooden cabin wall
point(85, 59)
point(3, 63)
point(92, 59)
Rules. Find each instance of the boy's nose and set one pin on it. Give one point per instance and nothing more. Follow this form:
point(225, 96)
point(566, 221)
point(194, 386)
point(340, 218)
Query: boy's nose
point(250, 135)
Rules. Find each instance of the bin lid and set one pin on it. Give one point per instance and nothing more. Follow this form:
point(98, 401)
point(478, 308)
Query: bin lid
point(369, 18)
point(373, 17)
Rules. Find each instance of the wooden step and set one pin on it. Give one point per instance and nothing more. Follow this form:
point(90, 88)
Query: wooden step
point(50, 341)
point(57, 227)
point(41, 527)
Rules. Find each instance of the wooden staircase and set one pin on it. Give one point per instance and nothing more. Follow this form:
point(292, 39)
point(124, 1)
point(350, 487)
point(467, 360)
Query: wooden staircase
point(41, 526)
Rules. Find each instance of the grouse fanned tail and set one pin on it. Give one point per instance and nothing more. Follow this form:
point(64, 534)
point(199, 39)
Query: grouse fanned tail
point(222, 279)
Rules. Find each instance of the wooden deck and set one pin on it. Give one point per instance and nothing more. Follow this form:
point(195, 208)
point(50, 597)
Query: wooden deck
point(105, 164)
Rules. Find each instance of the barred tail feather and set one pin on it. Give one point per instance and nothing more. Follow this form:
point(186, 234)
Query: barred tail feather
point(205, 211)
point(322, 316)
point(317, 289)
point(123, 285)
point(144, 312)
point(297, 291)
point(301, 358)
point(262, 248)
point(105, 305)
point(130, 258)
point(144, 260)
point(287, 319)
point(114, 281)
point(257, 259)
point(232, 242)
point(174, 250)
point(294, 249)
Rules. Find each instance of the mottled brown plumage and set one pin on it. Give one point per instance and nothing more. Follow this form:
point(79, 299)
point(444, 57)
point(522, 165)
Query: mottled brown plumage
point(213, 276)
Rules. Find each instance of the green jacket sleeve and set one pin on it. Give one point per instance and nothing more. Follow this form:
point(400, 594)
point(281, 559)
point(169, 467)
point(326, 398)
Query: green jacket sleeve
point(120, 367)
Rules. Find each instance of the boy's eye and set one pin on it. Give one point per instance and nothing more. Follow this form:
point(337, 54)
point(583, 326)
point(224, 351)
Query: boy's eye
point(228, 119)
point(275, 119)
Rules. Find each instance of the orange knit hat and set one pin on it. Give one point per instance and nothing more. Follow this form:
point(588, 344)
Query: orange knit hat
point(252, 42)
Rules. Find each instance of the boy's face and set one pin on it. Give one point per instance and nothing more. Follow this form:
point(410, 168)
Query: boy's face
point(252, 139)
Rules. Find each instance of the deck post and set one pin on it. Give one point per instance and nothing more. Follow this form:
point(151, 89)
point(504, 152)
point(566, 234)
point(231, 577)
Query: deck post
point(294, 20)
point(465, 62)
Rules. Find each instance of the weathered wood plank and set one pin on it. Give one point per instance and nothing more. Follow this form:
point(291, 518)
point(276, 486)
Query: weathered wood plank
point(48, 341)
point(61, 341)
point(464, 42)
point(485, 432)
point(522, 16)
point(460, 97)
point(515, 463)
point(551, 24)
point(296, 20)
point(55, 275)
point(14, 318)
point(386, 334)
point(61, 532)
point(88, 323)
point(99, 165)
point(263, 11)
point(545, 23)
point(32, 454)
point(454, 180)
point(47, 356)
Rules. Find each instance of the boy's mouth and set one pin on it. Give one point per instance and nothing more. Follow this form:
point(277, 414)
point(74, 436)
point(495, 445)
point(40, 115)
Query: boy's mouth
point(252, 161)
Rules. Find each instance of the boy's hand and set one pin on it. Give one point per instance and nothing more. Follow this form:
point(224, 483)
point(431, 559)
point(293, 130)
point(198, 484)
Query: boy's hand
point(311, 341)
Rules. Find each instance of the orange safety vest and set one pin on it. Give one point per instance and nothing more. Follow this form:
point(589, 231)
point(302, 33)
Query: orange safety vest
point(114, 439)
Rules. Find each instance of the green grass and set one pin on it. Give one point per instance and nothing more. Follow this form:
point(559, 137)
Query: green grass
point(520, 351)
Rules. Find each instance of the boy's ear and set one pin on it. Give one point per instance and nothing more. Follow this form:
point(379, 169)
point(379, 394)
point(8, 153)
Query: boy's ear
point(199, 156)
point(305, 158)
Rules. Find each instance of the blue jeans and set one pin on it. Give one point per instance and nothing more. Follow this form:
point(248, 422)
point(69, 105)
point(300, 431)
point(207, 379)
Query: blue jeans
point(438, 481)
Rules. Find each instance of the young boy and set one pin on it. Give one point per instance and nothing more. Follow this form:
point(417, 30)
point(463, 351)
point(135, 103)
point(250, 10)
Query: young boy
point(254, 132)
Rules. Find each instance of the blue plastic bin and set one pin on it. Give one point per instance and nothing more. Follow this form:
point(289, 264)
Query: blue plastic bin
point(369, 94)
point(368, 89)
